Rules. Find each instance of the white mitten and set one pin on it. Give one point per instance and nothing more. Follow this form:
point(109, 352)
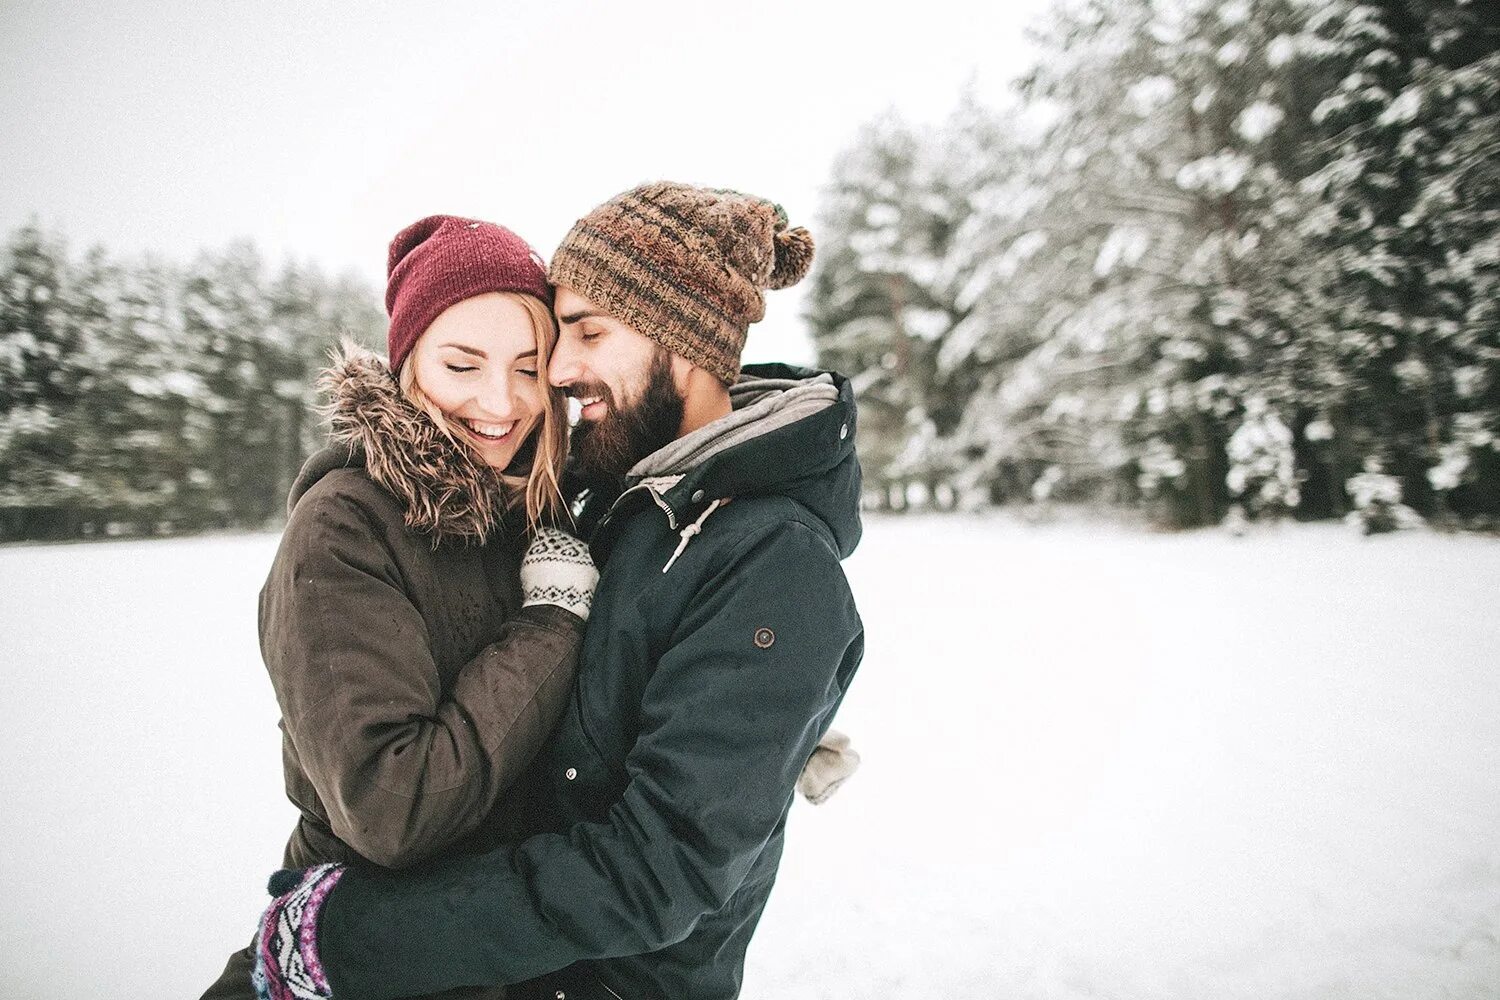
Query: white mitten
point(557, 569)
point(831, 763)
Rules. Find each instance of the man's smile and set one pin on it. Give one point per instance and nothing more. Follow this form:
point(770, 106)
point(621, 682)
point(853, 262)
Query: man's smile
point(589, 407)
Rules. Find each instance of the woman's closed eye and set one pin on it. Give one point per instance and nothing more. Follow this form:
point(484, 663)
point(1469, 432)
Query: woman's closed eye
point(461, 368)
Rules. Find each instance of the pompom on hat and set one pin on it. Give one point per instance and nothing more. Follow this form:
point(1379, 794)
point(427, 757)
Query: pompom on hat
point(441, 260)
point(685, 266)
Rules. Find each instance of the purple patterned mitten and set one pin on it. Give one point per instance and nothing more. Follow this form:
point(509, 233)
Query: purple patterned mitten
point(286, 946)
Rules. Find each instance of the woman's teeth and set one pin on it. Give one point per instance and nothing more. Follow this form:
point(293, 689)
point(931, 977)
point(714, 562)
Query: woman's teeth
point(490, 432)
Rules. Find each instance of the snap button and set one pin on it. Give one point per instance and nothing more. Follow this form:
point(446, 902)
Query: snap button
point(843, 432)
point(571, 773)
point(560, 995)
point(764, 637)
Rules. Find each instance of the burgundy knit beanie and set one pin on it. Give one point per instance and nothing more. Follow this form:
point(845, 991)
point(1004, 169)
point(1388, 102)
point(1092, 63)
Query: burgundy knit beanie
point(442, 260)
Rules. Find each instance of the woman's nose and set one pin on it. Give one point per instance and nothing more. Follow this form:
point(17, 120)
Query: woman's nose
point(497, 400)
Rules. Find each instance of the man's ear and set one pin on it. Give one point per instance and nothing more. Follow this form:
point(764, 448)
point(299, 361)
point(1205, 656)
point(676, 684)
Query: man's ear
point(703, 395)
point(686, 376)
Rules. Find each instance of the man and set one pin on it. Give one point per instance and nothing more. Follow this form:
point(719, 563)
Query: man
point(722, 639)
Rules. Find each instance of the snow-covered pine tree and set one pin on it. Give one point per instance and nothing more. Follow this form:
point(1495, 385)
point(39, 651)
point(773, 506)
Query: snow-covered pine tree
point(44, 374)
point(92, 303)
point(884, 295)
point(225, 316)
point(1403, 246)
point(309, 313)
point(137, 397)
point(298, 340)
point(152, 398)
point(1252, 255)
point(1174, 137)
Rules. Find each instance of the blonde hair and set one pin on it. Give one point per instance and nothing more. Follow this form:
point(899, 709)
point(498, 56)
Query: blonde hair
point(541, 488)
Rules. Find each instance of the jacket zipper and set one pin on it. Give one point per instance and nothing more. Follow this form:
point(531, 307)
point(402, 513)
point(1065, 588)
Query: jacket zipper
point(662, 503)
point(656, 498)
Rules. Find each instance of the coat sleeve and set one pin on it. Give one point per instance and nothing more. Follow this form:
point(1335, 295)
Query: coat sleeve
point(402, 770)
point(727, 723)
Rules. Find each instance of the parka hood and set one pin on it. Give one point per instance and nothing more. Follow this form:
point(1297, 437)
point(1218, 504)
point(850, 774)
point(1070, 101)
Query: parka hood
point(444, 492)
point(791, 433)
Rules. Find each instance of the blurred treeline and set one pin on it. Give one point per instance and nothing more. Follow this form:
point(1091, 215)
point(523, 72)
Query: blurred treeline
point(138, 397)
point(1222, 259)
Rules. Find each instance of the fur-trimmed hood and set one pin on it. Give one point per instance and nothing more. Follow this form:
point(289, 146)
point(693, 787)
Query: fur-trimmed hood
point(444, 492)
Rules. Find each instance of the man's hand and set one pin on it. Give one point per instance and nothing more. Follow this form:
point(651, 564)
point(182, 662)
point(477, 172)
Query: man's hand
point(832, 762)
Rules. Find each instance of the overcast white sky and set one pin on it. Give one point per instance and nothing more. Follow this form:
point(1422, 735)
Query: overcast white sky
point(318, 130)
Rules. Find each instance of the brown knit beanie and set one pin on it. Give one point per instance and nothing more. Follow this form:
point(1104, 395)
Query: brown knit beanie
point(685, 266)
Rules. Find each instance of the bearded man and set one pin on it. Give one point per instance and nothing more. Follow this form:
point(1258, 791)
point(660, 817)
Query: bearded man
point(718, 502)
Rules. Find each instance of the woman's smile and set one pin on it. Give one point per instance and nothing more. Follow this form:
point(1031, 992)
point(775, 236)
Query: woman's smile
point(494, 433)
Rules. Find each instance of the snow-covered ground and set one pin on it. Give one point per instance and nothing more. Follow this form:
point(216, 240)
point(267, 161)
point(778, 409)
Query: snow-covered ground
point(1098, 764)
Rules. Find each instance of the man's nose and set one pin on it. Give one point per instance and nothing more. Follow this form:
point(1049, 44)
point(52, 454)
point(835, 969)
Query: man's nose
point(563, 368)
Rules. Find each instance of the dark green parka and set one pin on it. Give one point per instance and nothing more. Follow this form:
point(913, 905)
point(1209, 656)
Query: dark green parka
point(722, 638)
point(414, 688)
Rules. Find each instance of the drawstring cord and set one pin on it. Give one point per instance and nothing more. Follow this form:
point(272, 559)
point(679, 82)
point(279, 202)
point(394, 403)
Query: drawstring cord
point(691, 530)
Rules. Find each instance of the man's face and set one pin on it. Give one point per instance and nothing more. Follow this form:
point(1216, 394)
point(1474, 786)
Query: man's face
point(631, 405)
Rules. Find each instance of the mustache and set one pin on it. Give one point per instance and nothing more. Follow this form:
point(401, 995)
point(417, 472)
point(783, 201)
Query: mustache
point(598, 389)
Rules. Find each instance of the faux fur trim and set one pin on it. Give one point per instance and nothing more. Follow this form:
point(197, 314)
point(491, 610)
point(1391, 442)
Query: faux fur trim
point(443, 490)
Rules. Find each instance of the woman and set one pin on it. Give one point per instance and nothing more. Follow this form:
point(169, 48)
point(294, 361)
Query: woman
point(419, 658)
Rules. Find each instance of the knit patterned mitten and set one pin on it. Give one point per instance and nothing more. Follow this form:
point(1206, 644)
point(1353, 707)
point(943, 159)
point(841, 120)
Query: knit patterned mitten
point(286, 946)
point(557, 569)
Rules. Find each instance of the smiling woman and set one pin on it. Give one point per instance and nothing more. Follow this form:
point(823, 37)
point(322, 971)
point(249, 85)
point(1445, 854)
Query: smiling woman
point(478, 373)
point(470, 306)
point(421, 635)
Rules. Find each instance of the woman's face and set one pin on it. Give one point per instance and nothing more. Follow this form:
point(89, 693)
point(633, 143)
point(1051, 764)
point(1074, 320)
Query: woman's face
point(477, 364)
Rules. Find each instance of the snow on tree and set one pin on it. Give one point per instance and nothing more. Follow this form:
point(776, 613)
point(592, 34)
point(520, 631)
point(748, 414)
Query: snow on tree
point(44, 374)
point(1402, 243)
point(139, 397)
point(1251, 250)
point(1262, 465)
point(890, 290)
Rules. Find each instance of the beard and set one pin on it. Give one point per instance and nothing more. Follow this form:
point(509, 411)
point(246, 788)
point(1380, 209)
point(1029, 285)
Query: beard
point(607, 448)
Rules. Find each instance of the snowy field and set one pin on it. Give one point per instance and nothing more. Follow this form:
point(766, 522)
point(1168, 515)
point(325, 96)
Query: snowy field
point(1098, 764)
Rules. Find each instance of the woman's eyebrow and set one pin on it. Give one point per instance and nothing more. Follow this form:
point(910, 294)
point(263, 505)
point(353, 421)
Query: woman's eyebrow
point(471, 350)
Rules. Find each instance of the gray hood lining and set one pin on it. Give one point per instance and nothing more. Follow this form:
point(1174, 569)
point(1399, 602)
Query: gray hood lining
point(760, 405)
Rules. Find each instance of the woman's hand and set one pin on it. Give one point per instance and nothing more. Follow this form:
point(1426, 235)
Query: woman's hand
point(557, 569)
point(286, 945)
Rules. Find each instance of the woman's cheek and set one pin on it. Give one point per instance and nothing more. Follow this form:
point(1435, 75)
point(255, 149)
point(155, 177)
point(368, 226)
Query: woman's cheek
point(536, 400)
point(439, 387)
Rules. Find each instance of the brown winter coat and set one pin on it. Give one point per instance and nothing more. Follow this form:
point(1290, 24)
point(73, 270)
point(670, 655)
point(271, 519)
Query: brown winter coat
point(414, 688)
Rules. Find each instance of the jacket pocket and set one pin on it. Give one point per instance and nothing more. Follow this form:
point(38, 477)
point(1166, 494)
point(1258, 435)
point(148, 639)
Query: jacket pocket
point(581, 778)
